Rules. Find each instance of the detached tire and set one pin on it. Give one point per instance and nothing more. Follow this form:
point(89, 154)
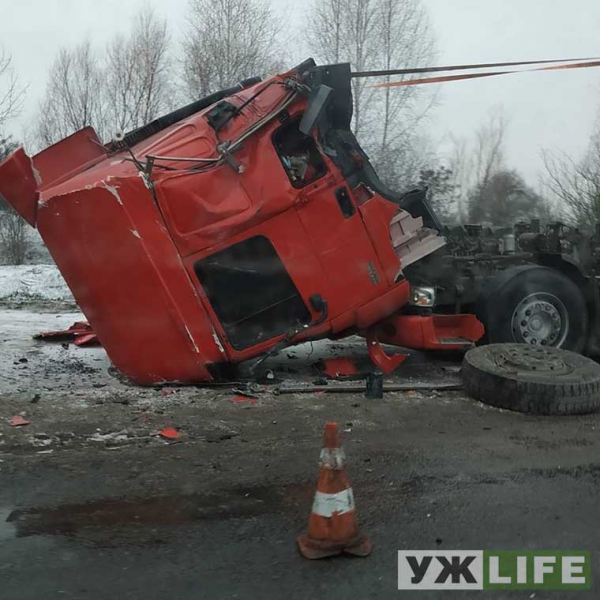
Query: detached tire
point(541, 381)
point(537, 306)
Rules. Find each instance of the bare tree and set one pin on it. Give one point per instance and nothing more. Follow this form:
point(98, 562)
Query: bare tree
point(130, 86)
point(486, 189)
point(326, 31)
point(380, 35)
point(406, 42)
point(7, 146)
point(361, 24)
point(460, 164)
point(227, 41)
point(12, 93)
point(441, 192)
point(14, 237)
point(576, 184)
point(138, 73)
point(489, 147)
point(344, 31)
point(504, 198)
point(14, 231)
point(473, 162)
point(74, 95)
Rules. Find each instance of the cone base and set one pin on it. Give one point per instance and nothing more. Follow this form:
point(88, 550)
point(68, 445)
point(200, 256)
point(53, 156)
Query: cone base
point(315, 549)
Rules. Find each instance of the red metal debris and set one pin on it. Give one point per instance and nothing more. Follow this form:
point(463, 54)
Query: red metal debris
point(169, 433)
point(436, 332)
point(18, 421)
point(88, 339)
point(338, 367)
point(80, 333)
point(388, 364)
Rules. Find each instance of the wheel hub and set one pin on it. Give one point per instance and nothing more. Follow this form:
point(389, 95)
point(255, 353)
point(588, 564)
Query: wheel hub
point(540, 320)
point(522, 359)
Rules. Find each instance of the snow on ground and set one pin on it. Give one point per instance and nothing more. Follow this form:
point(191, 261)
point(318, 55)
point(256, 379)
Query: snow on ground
point(30, 284)
point(34, 366)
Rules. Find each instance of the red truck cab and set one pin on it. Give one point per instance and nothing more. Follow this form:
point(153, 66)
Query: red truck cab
point(243, 222)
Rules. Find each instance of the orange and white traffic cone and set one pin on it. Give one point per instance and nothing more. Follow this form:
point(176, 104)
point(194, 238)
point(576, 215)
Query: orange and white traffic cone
point(332, 526)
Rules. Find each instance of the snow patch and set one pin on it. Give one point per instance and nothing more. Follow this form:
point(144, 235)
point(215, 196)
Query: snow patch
point(33, 283)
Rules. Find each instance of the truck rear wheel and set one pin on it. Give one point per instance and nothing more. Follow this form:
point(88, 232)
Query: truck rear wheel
point(536, 306)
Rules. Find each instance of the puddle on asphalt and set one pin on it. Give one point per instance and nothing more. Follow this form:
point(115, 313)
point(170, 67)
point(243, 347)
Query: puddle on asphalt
point(102, 521)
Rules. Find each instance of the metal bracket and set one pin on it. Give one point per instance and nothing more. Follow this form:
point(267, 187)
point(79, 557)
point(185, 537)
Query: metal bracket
point(226, 155)
point(388, 364)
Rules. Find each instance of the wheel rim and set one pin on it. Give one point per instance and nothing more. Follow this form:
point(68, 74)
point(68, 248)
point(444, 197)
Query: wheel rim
point(523, 359)
point(540, 319)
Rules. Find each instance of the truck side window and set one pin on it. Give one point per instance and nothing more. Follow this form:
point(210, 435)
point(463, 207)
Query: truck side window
point(299, 154)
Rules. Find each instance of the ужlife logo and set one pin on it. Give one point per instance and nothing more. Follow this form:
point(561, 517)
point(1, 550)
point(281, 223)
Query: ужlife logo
point(494, 570)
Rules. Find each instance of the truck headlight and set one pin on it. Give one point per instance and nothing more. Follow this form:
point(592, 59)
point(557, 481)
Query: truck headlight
point(422, 296)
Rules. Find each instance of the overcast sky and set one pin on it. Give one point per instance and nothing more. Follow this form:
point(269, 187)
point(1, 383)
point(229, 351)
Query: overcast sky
point(545, 110)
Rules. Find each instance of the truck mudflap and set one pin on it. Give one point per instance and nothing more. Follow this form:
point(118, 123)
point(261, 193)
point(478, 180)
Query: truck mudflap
point(433, 332)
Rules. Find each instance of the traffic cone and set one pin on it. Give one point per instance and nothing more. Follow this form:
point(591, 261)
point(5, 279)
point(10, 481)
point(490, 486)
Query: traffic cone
point(332, 526)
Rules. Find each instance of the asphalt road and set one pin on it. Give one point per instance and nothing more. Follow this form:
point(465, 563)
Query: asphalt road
point(94, 505)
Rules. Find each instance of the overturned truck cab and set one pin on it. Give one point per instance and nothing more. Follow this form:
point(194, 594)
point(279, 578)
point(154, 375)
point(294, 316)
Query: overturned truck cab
point(239, 224)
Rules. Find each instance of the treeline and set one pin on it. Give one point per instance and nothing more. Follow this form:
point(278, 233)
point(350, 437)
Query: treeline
point(145, 73)
point(473, 183)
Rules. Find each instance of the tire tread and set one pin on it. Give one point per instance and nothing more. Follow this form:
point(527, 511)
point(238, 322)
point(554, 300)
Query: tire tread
point(542, 396)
